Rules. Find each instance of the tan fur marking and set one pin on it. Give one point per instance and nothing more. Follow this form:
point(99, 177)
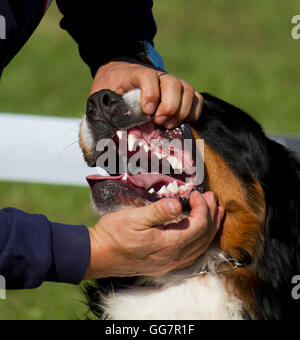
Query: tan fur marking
point(243, 225)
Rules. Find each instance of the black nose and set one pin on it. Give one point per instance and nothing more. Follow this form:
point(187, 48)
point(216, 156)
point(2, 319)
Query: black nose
point(101, 104)
point(108, 98)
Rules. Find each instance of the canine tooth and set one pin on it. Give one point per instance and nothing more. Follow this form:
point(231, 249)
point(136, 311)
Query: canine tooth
point(125, 177)
point(151, 191)
point(131, 142)
point(173, 187)
point(120, 134)
point(163, 190)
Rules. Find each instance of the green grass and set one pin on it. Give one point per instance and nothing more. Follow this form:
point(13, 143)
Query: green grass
point(241, 51)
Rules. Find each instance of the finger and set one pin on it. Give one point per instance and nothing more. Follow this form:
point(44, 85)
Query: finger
point(197, 106)
point(171, 96)
point(201, 244)
point(147, 80)
point(202, 218)
point(220, 213)
point(212, 203)
point(194, 226)
point(155, 214)
point(185, 108)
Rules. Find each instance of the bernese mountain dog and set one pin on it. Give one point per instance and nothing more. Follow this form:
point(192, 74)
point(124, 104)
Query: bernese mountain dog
point(248, 272)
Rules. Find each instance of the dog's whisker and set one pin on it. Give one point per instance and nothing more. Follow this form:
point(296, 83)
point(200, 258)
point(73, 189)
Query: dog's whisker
point(67, 147)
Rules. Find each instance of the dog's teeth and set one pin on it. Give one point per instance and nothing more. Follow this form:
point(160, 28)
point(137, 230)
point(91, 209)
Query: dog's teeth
point(146, 147)
point(163, 190)
point(131, 141)
point(175, 163)
point(184, 188)
point(173, 187)
point(151, 191)
point(120, 134)
point(125, 177)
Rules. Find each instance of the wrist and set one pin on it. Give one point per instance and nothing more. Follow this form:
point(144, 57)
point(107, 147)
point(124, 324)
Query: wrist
point(98, 263)
point(128, 60)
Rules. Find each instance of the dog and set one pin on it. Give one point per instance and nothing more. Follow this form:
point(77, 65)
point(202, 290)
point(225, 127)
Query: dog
point(247, 272)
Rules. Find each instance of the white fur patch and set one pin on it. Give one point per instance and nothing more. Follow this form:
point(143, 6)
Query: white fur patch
point(178, 295)
point(85, 135)
point(133, 100)
point(199, 298)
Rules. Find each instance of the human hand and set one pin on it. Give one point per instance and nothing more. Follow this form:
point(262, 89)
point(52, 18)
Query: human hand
point(171, 99)
point(135, 242)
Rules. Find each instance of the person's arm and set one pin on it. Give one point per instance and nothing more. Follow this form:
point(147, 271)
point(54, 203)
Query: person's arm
point(34, 250)
point(105, 30)
point(131, 242)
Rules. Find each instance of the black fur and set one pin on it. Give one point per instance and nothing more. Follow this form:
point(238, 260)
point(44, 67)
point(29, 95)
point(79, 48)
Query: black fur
point(242, 144)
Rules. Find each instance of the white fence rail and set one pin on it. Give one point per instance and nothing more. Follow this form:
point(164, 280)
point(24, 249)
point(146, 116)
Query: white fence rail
point(41, 149)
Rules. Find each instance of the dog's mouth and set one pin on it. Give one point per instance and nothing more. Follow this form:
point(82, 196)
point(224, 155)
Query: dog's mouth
point(158, 163)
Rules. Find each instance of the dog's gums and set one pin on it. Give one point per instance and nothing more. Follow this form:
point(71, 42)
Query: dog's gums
point(146, 147)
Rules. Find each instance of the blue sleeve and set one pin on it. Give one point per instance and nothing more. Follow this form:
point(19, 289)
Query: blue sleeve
point(107, 29)
point(34, 250)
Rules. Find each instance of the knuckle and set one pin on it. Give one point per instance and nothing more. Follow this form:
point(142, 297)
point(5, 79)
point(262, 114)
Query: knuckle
point(197, 106)
point(172, 81)
point(183, 114)
point(158, 213)
point(199, 97)
point(212, 198)
point(169, 109)
point(177, 83)
point(148, 73)
point(149, 94)
point(188, 89)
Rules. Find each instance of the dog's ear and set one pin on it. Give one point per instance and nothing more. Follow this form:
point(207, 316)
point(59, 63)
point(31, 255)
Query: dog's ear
point(280, 258)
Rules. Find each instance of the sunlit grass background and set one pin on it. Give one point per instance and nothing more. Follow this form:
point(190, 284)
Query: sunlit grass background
point(241, 51)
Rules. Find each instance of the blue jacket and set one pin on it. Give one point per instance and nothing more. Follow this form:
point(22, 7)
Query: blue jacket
point(103, 29)
point(33, 249)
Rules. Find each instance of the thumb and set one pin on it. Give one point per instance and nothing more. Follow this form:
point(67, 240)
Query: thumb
point(156, 213)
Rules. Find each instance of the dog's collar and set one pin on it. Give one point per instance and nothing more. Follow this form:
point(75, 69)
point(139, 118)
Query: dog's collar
point(225, 266)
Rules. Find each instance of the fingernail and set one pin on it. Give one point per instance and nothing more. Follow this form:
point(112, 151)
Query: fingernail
point(171, 208)
point(161, 120)
point(171, 124)
point(149, 108)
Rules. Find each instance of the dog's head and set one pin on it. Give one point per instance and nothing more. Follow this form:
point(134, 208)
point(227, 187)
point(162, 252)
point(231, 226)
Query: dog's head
point(145, 162)
point(257, 182)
